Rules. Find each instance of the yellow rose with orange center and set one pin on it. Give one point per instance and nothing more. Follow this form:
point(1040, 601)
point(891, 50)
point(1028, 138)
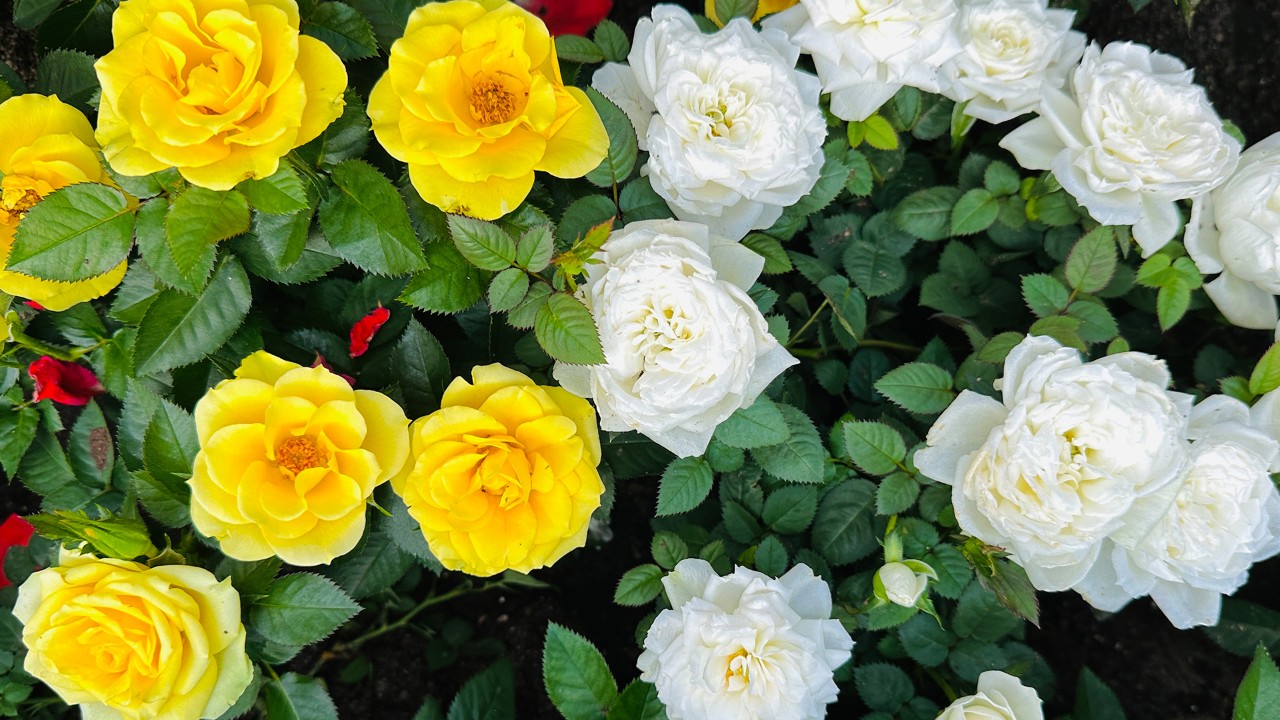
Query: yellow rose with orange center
point(128, 642)
point(45, 145)
point(219, 89)
point(473, 101)
point(503, 475)
point(288, 457)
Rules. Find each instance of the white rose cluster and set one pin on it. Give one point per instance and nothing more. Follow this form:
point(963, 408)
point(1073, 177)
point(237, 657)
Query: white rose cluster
point(1012, 50)
point(685, 346)
point(1240, 238)
point(733, 129)
point(999, 696)
point(1061, 464)
point(745, 646)
point(1129, 136)
point(865, 51)
point(1097, 478)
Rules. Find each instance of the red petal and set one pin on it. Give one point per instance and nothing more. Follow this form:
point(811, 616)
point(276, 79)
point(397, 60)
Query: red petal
point(14, 532)
point(363, 331)
point(63, 382)
point(568, 17)
point(33, 304)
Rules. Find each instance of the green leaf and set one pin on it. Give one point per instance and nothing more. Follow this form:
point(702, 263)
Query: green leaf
point(771, 556)
point(759, 424)
point(874, 447)
point(422, 368)
point(576, 48)
point(153, 245)
point(198, 219)
point(280, 194)
point(790, 509)
point(1097, 324)
point(348, 136)
point(388, 17)
point(974, 212)
point(926, 214)
point(575, 675)
point(90, 448)
point(70, 76)
point(535, 248)
point(507, 289)
point(848, 306)
point(842, 529)
point(685, 484)
point(365, 221)
point(1012, 588)
point(612, 41)
point(566, 331)
point(482, 243)
point(301, 608)
point(1258, 697)
point(28, 14)
point(831, 181)
point(953, 570)
point(1244, 625)
point(45, 469)
point(18, 428)
point(876, 268)
point(739, 522)
point(727, 10)
point(1092, 261)
point(74, 233)
point(373, 565)
point(490, 695)
point(917, 387)
point(775, 256)
point(179, 329)
point(406, 533)
point(1266, 374)
point(1172, 302)
point(668, 549)
point(1094, 700)
point(861, 179)
point(639, 586)
point(883, 686)
point(343, 29)
point(639, 201)
point(1065, 330)
point(298, 697)
point(617, 165)
point(925, 641)
point(896, 494)
point(801, 457)
point(450, 284)
point(1044, 294)
point(880, 133)
point(979, 615)
point(638, 701)
point(1001, 179)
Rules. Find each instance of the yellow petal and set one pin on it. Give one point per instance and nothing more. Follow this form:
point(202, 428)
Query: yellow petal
point(388, 435)
point(486, 200)
point(264, 366)
point(581, 142)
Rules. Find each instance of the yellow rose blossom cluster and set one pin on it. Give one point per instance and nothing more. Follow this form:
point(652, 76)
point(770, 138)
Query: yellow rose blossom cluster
point(473, 101)
point(288, 457)
point(504, 473)
point(219, 89)
point(129, 642)
point(45, 145)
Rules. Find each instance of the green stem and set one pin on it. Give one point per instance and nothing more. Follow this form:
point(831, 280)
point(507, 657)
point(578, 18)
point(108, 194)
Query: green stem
point(950, 692)
point(889, 345)
point(826, 302)
point(42, 347)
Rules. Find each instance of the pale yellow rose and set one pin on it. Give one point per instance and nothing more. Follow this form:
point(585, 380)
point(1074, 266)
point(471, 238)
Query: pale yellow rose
point(128, 642)
point(45, 145)
point(288, 457)
point(473, 101)
point(219, 89)
point(504, 473)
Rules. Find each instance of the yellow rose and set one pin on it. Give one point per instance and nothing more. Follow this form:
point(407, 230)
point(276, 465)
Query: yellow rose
point(764, 7)
point(504, 473)
point(128, 642)
point(45, 145)
point(219, 89)
point(472, 100)
point(288, 457)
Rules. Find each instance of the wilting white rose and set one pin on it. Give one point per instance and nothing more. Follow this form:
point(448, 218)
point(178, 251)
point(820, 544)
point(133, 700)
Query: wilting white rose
point(1240, 238)
point(685, 346)
point(1000, 696)
point(1225, 516)
point(1012, 50)
point(903, 583)
point(865, 51)
point(744, 646)
point(733, 129)
point(1065, 461)
point(1129, 136)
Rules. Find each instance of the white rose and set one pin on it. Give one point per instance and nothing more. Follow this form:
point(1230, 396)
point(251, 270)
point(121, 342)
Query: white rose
point(865, 51)
point(1012, 49)
point(1061, 463)
point(745, 646)
point(1225, 516)
point(685, 346)
point(733, 130)
point(1000, 696)
point(902, 584)
point(1240, 238)
point(1131, 135)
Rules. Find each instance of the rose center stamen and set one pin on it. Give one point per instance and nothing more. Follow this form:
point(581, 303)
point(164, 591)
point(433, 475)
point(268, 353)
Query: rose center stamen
point(300, 453)
point(18, 196)
point(739, 666)
point(491, 102)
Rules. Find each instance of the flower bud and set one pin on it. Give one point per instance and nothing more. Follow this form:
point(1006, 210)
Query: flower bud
point(903, 583)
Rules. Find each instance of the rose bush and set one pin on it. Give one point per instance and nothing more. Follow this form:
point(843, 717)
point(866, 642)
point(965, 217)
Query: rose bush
point(123, 640)
point(220, 92)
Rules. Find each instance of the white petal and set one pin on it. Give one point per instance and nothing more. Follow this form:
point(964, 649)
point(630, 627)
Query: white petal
point(1034, 145)
point(1159, 223)
point(1186, 606)
point(1243, 304)
point(961, 429)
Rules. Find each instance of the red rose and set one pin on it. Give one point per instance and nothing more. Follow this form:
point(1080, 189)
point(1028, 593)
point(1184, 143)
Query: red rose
point(63, 382)
point(568, 17)
point(14, 532)
point(365, 328)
